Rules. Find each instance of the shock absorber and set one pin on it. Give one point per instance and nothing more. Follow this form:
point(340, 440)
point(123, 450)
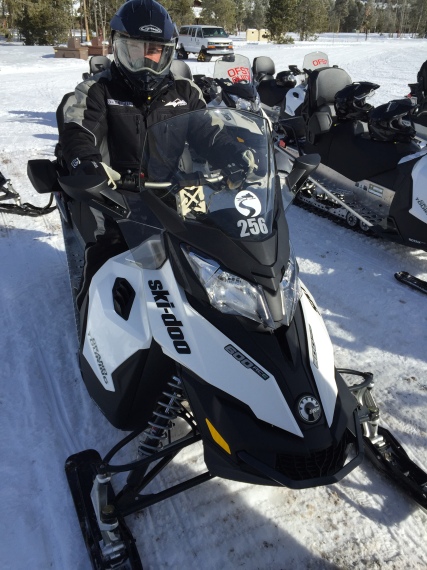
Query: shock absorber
point(158, 429)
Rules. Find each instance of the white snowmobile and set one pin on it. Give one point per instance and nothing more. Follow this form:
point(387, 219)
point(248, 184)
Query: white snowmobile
point(283, 94)
point(202, 321)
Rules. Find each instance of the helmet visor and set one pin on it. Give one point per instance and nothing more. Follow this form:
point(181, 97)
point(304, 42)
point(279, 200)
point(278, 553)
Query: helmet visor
point(139, 55)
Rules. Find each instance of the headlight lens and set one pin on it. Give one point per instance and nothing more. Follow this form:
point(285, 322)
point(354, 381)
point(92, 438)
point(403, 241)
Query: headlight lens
point(229, 293)
point(233, 295)
point(290, 289)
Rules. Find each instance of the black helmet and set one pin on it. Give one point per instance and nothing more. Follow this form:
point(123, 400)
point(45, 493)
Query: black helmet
point(144, 42)
point(350, 102)
point(392, 121)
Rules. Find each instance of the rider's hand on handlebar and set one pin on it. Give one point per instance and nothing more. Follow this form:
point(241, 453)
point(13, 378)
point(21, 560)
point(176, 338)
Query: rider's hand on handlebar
point(91, 167)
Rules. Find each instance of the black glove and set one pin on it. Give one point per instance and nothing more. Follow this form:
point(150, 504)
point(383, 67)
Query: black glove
point(99, 168)
point(87, 167)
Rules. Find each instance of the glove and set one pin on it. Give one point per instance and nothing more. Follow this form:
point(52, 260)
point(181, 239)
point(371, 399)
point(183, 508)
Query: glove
point(236, 173)
point(91, 167)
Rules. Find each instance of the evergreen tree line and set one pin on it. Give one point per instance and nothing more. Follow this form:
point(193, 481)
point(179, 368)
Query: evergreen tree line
point(47, 22)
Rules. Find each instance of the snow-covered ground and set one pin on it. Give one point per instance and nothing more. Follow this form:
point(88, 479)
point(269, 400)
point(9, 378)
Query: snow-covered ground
point(375, 323)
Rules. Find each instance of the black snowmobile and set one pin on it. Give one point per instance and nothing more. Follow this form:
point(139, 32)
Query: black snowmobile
point(203, 322)
point(418, 94)
point(371, 155)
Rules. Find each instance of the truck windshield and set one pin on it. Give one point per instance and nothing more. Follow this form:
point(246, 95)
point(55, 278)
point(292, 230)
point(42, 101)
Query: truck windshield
point(214, 33)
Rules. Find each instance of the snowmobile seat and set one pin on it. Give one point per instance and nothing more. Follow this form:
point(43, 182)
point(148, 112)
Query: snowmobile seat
point(318, 108)
point(323, 84)
point(263, 68)
point(97, 64)
point(181, 69)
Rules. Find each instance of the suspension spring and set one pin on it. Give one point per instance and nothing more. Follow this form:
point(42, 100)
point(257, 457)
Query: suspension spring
point(167, 409)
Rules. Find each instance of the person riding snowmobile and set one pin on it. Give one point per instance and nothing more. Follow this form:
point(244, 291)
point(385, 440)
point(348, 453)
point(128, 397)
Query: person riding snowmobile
point(109, 121)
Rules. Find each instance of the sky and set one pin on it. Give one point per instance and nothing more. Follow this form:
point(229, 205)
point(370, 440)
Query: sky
point(376, 324)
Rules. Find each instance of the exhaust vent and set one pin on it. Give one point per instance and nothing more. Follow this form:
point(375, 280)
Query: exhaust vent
point(123, 297)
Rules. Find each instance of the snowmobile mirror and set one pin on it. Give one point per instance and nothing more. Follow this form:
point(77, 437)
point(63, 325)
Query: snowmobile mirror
point(301, 170)
point(43, 176)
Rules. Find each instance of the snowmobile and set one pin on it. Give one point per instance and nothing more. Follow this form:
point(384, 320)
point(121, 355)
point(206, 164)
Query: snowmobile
point(231, 85)
point(283, 94)
point(418, 94)
point(201, 330)
point(371, 155)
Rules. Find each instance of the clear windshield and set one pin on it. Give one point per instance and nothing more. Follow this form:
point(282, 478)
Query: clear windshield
point(315, 60)
point(214, 33)
point(213, 167)
point(234, 69)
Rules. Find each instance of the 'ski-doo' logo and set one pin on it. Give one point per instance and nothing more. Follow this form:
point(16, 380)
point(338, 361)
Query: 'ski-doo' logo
point(173, 326)
point(422, 205)
point(247, 203)
point(98, 358)
point(150, 28)
point(309, 409)
point(244, 361)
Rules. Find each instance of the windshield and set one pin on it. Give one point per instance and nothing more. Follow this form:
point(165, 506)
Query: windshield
point(214, 33)
point(213, 167)
point(315, 60)
point(233, 69)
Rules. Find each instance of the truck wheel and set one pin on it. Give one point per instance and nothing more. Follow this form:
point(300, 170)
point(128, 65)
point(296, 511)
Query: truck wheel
point(203, 55)
point(182, 54)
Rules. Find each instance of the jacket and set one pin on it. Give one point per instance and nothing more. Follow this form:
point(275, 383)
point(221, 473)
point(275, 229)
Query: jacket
point(107, 122)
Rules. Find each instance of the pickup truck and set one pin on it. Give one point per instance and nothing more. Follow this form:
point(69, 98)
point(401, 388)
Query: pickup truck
point(205, 41)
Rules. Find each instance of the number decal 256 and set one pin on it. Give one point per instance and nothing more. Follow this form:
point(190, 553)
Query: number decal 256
point(252, 226)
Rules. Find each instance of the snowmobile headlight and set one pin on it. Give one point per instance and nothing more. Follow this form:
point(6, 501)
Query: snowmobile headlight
point(229, 293)
point(290, 289)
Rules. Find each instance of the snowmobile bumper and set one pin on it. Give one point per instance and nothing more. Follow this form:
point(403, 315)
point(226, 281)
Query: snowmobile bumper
point(279, 478)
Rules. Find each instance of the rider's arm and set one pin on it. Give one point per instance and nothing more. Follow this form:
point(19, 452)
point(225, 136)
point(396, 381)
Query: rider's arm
point(85, 124)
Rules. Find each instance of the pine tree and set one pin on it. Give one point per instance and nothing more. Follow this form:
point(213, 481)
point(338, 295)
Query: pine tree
point(281, 18)
point(44, 22)
point(180, 11)
point(312, 18)
point(219, 13)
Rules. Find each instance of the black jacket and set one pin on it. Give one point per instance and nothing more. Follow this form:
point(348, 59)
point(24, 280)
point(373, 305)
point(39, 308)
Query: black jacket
point(109, 123)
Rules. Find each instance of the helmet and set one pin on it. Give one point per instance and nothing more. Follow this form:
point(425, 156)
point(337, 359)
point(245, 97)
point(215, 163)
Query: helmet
point(350, 102)
point(392, 121)
point(286, 79)
point(144, 42)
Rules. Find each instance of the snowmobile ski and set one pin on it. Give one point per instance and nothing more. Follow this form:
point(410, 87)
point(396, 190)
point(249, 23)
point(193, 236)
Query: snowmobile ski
point(411, 281)
point(390, 458)
point(118, 551)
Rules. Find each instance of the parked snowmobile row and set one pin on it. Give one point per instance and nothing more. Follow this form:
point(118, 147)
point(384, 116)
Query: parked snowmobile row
point(372, 161)
point(202, 321)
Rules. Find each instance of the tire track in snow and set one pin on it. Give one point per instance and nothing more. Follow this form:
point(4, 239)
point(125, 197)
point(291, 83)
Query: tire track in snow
point(55, 398)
